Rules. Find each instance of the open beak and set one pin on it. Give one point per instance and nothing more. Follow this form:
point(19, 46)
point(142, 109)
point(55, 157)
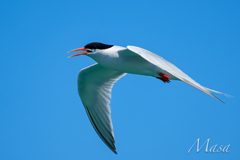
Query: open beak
point(78, 54)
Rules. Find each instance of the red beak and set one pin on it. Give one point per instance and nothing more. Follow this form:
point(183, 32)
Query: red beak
point(79, 49)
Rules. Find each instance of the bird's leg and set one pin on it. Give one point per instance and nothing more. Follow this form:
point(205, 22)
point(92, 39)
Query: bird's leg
point(163, 77)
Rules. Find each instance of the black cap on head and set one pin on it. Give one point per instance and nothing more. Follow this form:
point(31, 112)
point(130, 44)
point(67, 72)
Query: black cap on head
point(96, 45)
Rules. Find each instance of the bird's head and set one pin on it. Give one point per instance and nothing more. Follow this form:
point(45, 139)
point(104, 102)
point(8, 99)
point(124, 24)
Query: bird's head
point(91, 48)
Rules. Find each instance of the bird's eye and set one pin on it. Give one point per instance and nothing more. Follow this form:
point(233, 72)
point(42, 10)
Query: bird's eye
point(93, 50)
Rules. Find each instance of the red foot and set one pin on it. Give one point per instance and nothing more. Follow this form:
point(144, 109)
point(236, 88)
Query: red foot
point(163, 77)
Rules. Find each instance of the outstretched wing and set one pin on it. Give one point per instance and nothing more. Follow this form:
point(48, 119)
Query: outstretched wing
point(94, 87)
point(171, 69)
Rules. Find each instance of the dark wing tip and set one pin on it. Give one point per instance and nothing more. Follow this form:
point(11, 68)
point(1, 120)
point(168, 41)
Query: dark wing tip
point(110, 145)
point(218, 99)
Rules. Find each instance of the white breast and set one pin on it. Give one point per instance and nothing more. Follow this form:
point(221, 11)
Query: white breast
point(121, 59)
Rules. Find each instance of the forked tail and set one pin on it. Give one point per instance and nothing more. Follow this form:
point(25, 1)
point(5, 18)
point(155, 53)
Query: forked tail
point(227, 95)
point(205, 89)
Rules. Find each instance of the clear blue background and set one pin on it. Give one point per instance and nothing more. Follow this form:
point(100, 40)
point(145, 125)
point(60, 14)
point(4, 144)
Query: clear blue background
point(41, 114)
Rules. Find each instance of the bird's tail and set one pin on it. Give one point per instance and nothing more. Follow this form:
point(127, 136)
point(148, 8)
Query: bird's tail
point(211, 90)
point(205, 89)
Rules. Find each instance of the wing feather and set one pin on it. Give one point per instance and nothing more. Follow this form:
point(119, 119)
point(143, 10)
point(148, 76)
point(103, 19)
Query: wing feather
point(94, 87)
point(171, 69)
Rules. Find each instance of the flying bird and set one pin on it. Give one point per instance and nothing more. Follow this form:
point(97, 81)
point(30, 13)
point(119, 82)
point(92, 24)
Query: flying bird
point(113, 62)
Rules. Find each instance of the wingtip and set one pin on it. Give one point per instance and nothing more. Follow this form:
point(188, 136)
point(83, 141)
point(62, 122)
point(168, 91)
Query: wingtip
point(115, 152)
point(218, 99)
point(221, 101)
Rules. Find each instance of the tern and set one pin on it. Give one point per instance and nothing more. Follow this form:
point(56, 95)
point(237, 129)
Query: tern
point(113, 62)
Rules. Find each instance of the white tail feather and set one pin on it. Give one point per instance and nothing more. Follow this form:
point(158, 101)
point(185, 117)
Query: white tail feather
point(229, 96)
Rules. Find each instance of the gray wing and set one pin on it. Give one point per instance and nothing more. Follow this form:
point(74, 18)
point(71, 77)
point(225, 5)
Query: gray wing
point(94, 87)
point(171, 69)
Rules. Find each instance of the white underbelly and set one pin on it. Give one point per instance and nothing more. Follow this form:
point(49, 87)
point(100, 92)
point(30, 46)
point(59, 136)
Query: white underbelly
point(133, 65)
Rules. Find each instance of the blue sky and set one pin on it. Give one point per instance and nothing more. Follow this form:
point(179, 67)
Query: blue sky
point(41, 114)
